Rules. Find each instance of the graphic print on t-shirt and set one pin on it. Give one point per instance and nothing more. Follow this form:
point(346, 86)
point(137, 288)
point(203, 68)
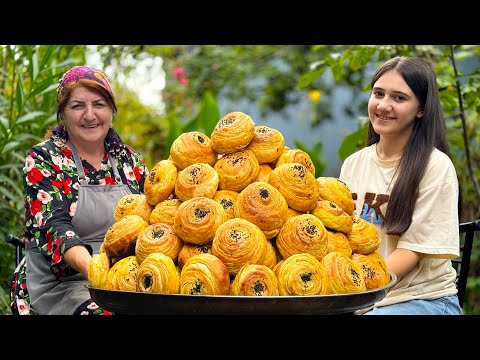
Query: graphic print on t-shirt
point(371, 211)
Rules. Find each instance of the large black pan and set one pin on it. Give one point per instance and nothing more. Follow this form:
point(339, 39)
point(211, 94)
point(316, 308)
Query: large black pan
point(137, 303)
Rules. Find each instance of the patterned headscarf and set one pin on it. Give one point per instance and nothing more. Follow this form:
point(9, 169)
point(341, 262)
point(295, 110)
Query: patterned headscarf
point(113, 142)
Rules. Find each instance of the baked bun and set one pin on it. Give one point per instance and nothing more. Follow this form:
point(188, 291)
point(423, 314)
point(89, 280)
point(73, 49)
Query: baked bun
point(159, 237)
point(133, 204)
point(337, 241)
point(196, 180)
point(160, 182)
point(237, 170)
point(232, 133)
point(188, 250)
point(197, 220)
point(263, 205)
point(303, 234)
point(204, 274)
point(190, 148)
point(272, 255)
point(364, 237)
point(164, 211)
point(238, 242)
point(335, 190)
point(302, 274)
point(296, 184)
point(123, 275)
point(120, 239)
point(333, 216)
point(267, 144)
point(345, 275)
point(158, 274)
point(98, 270)
point(227, 199)
point(255, 280)
point(374, 269)
point(264, 171)
point(296, 156)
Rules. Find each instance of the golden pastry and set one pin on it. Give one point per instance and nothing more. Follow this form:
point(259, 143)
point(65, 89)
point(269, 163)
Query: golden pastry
point(264, 172)
point(160, 182)
point(165, 211)
point(196, 180)
point(237, 170)
point(159, 237)
point(338, 241)
point(238, 242)
point(191, 148)
point(296, 184)
point(333, 216)
point(333, 189)
point(345, 275)
point(270, 234)
point(255, 280)
point(120, 239)
point(227, 199)
point(123, 275)
point(133, 204)
point(158, 274)
point(232, 133)
point(98, 270)
point(303, 234)
point(296, 156)
point(374, 269)
point(271, 256)
point(197, 220)
point(204, 274)
point(263, 205)
point(267, 144)
point(292, 212)
point(364, 237)
point(302, 274)
point(188, 250)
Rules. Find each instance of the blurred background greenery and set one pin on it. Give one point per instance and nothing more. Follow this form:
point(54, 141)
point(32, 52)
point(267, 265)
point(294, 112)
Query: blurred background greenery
point(314, 94)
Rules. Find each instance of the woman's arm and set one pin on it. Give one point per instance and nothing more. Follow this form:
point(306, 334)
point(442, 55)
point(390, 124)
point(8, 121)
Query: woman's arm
point(401, 261)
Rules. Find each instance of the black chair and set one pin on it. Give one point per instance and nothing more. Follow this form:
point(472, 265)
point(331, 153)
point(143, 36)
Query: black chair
point(19, 248)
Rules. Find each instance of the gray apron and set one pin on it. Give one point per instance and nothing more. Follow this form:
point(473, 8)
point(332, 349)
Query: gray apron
point(92, 219)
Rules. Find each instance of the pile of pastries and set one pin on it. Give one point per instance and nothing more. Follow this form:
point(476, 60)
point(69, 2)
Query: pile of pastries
point(239, 213)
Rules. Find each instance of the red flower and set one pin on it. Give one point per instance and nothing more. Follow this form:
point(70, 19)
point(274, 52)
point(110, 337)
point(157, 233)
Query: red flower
point(55, 167)
point(34, 176)
point(49, 237)
point(67, 152)
point(109, 180)
point(136, 171)
point(35, 206)
point(66, 185)
point(57, 184)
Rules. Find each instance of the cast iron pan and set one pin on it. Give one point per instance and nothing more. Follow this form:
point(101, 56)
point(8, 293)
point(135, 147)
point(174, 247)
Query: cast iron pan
point(137, 303)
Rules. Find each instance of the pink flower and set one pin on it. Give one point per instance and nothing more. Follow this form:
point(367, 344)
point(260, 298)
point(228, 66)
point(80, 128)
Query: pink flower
point(180, 75)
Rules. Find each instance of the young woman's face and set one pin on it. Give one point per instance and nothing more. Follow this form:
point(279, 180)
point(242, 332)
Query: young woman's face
point(87, 117)
point(393, 107)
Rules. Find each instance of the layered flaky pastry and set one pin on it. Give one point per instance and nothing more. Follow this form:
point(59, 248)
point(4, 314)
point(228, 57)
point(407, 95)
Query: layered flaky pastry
point(188, 250)
point(237, 170)
point(227, 199)
point(345, 275)
point(333, 216)
point(364, 237)
point(159, 237)
point(335, 190)
point(197, 220)
point(190, 148)
point(267, 144)
point(133, 204)
point(158, 274)
point(238, 242)
point(196, 180)
point(338, 241)
point(296, 156)
point(303, 234)
point(121, 238)
point(204, 274)
point(255, 280)
point(233, 132)
point(301, 274)
point(123, 275)
point(264, 171)
point(374, 269)
point(98, 270)
point(296, 184)
point(263, 205)
point(160, 182)
point(165, 211)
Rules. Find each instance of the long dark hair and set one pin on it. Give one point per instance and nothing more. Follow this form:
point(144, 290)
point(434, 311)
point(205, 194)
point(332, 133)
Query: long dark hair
point(429, 132)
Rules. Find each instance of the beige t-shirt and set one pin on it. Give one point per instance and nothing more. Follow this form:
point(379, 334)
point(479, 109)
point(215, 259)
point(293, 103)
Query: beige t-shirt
point(434, 228)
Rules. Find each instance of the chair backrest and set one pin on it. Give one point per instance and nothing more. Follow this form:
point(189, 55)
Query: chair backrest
point(462, 264)
point(19, 247)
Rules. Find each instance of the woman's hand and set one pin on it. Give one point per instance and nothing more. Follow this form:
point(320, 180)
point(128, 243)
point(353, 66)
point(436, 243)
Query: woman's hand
point(78, 258)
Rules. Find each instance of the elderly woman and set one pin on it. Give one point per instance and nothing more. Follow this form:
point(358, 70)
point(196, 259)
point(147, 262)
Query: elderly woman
point(73, 180)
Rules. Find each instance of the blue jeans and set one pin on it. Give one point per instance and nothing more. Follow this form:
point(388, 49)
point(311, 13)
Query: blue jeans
point(447, 305)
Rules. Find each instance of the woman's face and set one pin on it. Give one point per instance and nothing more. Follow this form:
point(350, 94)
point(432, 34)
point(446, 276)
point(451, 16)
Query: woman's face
point(393, 107)
point(87, 117)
